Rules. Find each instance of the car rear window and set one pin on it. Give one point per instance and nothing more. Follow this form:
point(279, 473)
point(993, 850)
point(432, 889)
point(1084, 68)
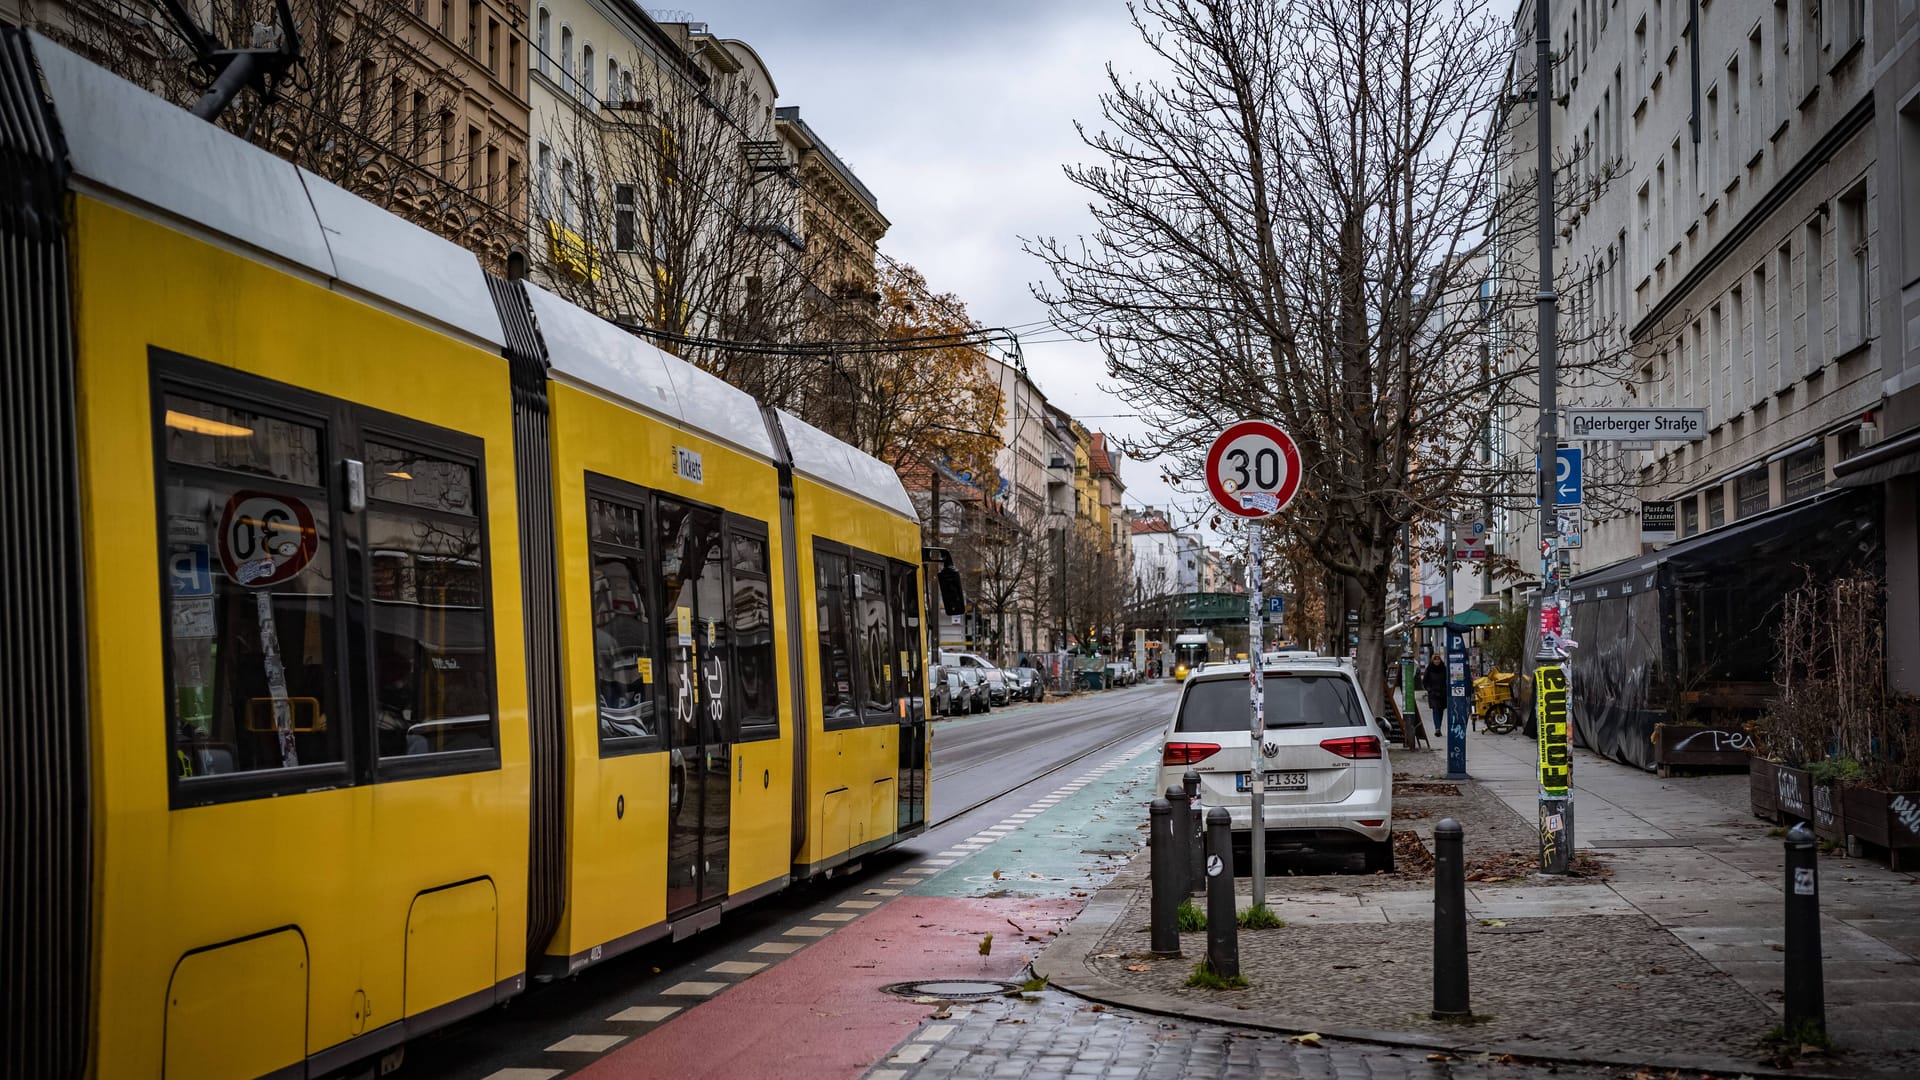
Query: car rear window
point(1293, 701)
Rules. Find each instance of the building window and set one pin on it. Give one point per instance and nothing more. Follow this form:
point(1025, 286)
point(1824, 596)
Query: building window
point(1689, 516)
point(474, 177)
point(1750, 492)
point(1810, 49)
point(1782, 98)
point(1855, 282)
point(1814, 298)
point(1716, 506)
point(1909, 192)
point(566, 193)
point(613, 82)
point(586, 74)
point(543, 180)
point(625, 234)
point(473, 27)
point(513, 183)
point(493, 46)
point(1804, 472)
point(493, 175)
point(543, 42)
point(1784, 353)
point(513, 64)
point(566, 58)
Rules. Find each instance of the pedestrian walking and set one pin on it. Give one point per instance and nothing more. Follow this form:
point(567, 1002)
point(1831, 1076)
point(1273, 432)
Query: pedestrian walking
point(1435, 681)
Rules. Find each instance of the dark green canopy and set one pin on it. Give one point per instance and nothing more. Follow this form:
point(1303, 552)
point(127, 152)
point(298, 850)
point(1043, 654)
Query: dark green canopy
point(1464, 618)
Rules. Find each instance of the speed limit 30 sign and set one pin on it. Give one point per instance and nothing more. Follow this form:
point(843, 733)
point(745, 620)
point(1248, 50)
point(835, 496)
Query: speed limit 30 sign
point(1253, 469)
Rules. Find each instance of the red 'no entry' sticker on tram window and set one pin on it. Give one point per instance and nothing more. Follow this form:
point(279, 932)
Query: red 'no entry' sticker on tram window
point(265, 539)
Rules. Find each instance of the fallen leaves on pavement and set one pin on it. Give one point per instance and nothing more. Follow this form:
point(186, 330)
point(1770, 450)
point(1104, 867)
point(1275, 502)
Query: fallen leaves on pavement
point(1139, 967)
point(1311, 1038)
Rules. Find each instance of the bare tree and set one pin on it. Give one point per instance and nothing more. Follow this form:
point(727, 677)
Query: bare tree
point(366, 107)
point(1294, 226)
point(683, 212)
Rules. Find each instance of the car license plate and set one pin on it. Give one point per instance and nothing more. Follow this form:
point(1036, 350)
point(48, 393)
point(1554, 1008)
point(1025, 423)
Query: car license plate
point(1276, 781)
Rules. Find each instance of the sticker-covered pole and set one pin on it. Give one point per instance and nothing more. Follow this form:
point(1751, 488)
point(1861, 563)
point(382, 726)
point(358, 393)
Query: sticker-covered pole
point(1256, 681)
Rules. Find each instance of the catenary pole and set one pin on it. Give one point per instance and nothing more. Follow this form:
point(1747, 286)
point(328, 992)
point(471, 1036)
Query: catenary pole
point(1556, 794)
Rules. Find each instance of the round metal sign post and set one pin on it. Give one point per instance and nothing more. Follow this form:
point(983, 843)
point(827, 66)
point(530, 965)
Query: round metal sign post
point(1253, 471)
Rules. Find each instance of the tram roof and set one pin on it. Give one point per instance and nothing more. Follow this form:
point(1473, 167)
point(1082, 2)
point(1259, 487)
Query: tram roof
point(592, 351)
point(820, 457)
point(127, 141)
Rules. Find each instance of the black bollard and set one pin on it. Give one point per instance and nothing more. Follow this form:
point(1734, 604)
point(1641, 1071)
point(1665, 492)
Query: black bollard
point(1165, 923)
point(1223, 924)
point(1197, 833)
point(1805, 982)
point(1182, 839)
point(1449, 921)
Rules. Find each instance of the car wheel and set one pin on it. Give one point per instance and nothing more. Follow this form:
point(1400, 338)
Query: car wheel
point(1380, 857)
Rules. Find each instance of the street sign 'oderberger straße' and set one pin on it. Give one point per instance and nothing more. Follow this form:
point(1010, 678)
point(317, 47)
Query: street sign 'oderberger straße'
point(1686, 425)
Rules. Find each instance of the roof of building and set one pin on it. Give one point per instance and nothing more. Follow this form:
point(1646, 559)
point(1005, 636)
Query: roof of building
point(790, 114)
point(1097, 454)
point(1143, 525)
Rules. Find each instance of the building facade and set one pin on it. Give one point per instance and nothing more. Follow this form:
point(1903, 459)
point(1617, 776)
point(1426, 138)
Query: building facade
point(1736, 233)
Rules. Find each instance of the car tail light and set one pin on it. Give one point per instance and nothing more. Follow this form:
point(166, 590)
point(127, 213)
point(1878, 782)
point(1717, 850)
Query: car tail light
point(1186, 753)
point(1370, 822)
point(1359, 746)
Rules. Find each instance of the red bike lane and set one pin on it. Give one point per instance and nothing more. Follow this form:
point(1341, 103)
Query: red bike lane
point(822, 1012)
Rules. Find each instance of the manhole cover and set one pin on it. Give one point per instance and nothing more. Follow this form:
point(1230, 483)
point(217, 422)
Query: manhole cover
point(951, 989)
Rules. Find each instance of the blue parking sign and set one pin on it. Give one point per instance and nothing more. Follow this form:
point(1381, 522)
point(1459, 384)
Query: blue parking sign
point(1569, 484)
point(1276, 605)
point(191, 569)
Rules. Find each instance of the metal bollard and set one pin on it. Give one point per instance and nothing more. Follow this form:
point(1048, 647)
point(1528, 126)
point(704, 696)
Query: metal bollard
point(1223, 924)
point(1449, 921)
point(1805, 982)
point(1165, 922)
point(1182, 839)
point(1197, 836)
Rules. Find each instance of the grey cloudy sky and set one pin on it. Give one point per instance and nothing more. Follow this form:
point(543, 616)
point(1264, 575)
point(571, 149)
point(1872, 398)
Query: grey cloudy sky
point(958, 116)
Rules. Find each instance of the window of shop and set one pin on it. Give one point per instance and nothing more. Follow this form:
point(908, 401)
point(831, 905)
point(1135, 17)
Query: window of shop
point(1689, 516)
point(1750, 493)
point(261, 670)
point(1716, 507)
point(1804, 472)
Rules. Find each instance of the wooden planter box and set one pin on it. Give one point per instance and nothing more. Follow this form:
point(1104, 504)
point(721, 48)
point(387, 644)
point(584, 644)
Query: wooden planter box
point(1829, 814)
point(1762, 794)
point(1888, 819)
point(1795, 790)
point(1692, 745)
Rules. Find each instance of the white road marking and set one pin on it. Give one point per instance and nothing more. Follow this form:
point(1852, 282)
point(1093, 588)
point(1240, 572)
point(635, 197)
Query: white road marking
point(862, 905)
point(533, 1074)
point(587, 1044)
point(645, 1014)
point(936, 862)
point(808, 931)
point(736, 967)
point(779, 947)
point(903, 881)
point(836, 916)
point(887, 892)
point(695, 989)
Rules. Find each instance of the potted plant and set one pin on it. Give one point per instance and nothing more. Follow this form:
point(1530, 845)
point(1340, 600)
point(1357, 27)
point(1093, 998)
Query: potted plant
point(1882, 807)
point(1797, 727)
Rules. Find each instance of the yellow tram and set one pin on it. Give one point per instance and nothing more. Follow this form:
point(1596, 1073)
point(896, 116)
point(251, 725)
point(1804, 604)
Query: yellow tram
point(381, 635)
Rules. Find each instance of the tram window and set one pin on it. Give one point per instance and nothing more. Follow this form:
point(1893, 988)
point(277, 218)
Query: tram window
point(432, 663)
point(251, 603)
point(693, 615)
point(872, 632)
point(906, 636)
point(754, 670)
point(623, 632)
point(837, 692)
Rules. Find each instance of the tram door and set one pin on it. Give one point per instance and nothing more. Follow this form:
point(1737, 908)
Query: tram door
point(693, 578)
point(910, 696)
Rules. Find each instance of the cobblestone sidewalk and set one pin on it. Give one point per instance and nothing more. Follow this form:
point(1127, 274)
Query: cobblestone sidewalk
point(1050, 1034)
point(1665, 952)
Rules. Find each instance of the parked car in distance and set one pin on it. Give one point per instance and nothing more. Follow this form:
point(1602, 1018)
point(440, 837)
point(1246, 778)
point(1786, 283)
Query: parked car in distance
point(1028, 683)
point(1122, 673)
point(974, 687)
point(997, 690)
point(1329, 782)
point(941, 687)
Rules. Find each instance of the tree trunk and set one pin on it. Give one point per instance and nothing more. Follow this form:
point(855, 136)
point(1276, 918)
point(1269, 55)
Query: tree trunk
point(1370, 657)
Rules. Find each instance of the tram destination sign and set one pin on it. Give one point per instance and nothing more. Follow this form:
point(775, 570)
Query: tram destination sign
point(1685, 425)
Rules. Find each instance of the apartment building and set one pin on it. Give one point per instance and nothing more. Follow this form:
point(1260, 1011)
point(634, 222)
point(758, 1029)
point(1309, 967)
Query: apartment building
point(420, 108)
point(1738, 233)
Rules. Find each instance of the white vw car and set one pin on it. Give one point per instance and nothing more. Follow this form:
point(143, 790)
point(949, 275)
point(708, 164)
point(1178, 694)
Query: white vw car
point(1329, 780)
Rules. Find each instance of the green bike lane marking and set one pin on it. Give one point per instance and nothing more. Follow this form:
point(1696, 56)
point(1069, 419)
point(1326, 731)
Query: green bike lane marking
point(1074, 841)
